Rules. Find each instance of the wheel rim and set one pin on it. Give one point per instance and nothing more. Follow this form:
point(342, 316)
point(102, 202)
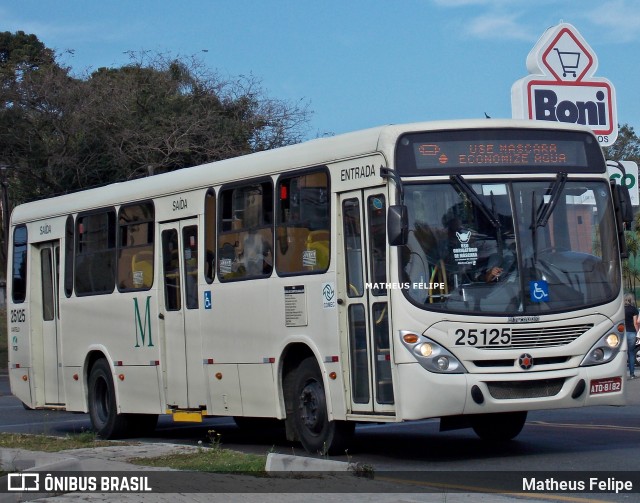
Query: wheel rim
point(312, 407)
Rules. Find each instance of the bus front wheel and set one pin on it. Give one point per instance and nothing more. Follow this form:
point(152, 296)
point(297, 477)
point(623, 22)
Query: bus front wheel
point(499, 427)
point(102, 403)
point(310, 418)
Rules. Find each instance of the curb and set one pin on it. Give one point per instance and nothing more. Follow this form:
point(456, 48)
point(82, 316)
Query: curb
point(288, 463)
point(21, 461)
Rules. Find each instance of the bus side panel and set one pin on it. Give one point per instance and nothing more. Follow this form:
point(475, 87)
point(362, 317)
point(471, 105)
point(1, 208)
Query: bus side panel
point(75, 389)
point(259, 397)
point(224, 397)
point(20, 382)
point(126, 326)
point(139, 389)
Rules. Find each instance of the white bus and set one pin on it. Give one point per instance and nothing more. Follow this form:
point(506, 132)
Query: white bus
point(462, 270)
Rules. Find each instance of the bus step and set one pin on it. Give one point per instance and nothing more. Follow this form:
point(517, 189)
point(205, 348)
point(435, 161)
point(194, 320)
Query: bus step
point(187, 416)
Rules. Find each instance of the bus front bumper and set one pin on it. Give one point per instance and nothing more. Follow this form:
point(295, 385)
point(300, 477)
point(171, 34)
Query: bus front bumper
point(423, 394)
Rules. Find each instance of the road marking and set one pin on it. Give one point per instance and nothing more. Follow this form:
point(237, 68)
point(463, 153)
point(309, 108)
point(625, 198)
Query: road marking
point(474, 489)
point(584, 426)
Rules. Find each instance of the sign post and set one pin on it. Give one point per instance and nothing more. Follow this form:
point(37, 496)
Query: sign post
point(562, 87)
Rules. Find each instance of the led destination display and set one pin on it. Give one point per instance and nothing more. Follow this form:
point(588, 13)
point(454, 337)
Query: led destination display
point(498, 151)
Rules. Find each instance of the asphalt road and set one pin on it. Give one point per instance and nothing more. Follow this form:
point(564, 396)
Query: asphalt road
point(593, 438)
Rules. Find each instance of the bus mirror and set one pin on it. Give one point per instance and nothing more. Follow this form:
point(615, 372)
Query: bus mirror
point(397, 225)
point(624, 203)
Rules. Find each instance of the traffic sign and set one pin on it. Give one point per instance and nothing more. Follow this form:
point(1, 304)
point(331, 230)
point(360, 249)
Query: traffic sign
point(562, 86)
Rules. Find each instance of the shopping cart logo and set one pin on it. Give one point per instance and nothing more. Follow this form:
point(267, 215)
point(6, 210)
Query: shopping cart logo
point(569, 61)
point(562, 86)
point(23, 482)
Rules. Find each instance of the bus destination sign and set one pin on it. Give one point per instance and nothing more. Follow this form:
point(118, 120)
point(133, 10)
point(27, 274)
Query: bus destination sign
point(493, 153)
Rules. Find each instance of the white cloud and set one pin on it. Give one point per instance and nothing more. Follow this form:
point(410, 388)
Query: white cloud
point(498, 26)
point(620, 17)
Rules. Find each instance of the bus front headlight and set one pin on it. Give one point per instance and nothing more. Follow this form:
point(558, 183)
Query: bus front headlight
point(431, 355)
point(607, 347)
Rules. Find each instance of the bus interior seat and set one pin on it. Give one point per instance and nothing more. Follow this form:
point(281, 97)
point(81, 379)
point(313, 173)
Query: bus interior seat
point(142, 269)
point(319, 241)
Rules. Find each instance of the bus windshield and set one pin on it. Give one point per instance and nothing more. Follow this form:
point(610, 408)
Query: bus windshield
point(510, 247)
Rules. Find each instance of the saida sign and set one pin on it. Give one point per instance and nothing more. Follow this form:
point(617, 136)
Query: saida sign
point(562, 86)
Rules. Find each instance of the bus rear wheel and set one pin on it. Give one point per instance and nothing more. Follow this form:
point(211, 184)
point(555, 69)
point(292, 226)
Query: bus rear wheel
point(310, 418)
point(499, 427)
point(103, 410)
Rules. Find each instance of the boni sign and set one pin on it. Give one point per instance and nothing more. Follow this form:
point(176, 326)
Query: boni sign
point(561, 86)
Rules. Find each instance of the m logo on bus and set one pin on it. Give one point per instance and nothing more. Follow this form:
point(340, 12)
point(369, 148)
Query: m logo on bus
point(143, 328)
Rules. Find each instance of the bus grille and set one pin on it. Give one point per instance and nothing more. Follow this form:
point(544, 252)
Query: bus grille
point(544, 337)
point(511, 390)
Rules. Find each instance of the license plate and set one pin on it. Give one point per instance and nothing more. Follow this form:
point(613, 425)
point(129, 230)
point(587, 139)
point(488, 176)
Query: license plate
point(608, 385)
point(485, 337)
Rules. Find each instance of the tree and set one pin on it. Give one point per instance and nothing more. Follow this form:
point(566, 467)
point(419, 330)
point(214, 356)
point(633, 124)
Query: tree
point(158, 113)
point(627, 148)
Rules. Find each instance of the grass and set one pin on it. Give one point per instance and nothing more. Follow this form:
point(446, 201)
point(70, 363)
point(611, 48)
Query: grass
point(204, 459)
point(4, 350)
point(208, 459)
point(51, 444)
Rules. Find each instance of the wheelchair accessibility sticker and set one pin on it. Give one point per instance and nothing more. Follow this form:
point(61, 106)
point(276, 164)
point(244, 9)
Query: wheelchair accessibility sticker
point(539, 291)
point(207, 299)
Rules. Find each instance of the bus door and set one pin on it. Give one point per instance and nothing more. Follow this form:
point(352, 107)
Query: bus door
point(179, 310)
point(49, 257)
point(364, 299)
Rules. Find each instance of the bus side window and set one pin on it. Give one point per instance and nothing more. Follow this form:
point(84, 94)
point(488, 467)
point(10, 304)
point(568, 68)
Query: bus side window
point(95, 261)
point(19, 274)
point(135, 246)
point(303, 232)
point(245, 235)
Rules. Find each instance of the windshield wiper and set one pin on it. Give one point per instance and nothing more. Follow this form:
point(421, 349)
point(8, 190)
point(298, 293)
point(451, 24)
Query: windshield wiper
point(476, 200)
point(546, 209)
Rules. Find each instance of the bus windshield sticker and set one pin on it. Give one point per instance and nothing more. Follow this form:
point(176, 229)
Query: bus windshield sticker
point(539, 291)
point(465, 254)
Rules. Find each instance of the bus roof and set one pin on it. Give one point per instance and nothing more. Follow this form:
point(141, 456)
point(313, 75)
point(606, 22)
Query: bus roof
point(307, 154)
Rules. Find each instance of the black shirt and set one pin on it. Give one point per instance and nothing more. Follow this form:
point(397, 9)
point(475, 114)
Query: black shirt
point(629, 312)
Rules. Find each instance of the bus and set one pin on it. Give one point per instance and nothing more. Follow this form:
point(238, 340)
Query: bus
point(462, 270)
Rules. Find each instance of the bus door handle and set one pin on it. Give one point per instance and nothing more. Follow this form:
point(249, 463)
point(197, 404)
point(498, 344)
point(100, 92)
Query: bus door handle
point(161, 316)
point(340, 301)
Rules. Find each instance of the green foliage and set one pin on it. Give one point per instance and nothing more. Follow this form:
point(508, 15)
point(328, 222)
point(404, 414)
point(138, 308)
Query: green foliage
point(626, 147)
point(157, 113)
point(60, 133)
point(45, 443)
point(208, 460)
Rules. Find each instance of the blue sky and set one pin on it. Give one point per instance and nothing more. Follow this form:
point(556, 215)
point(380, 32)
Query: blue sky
point(359, 63)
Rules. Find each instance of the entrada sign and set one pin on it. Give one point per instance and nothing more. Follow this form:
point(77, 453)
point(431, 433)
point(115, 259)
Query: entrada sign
point(562, 87)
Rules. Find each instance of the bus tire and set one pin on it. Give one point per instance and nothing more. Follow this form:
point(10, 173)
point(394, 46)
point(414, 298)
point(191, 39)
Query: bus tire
point(310, 418)
point(499, 427)
point(103, 409)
